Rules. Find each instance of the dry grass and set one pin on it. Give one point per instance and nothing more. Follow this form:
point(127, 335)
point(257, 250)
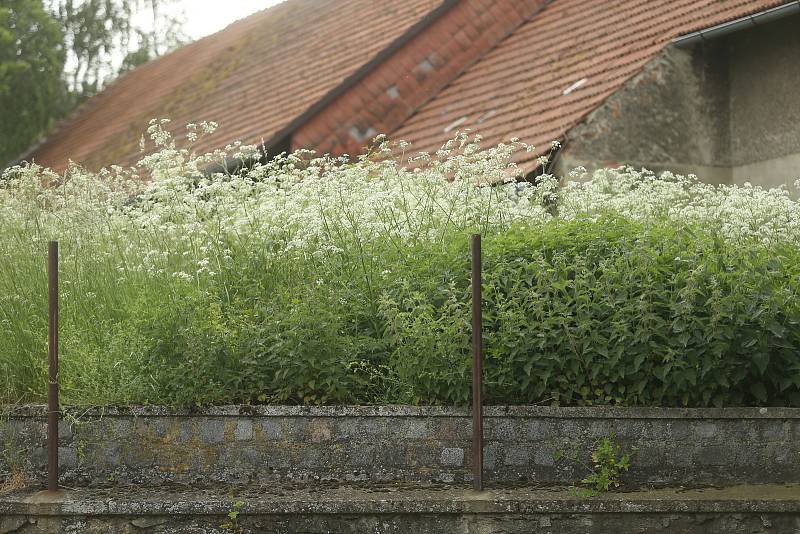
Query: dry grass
point(15, 482)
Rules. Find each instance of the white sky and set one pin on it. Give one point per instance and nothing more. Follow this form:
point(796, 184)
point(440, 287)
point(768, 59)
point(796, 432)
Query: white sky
point(204, 17)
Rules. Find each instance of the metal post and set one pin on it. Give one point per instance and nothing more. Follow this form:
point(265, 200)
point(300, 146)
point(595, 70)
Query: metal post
point(52, 376)
point(477, 367)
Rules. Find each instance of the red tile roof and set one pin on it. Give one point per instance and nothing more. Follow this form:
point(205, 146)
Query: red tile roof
point(260, 75)
point(517, 89)
point(254, 78)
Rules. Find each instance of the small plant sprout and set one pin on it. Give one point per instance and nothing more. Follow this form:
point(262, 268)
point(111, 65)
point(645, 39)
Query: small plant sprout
point(232, 523)
point(608, 464)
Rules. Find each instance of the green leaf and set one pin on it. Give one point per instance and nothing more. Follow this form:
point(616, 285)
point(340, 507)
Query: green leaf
point(761, 359)
point(776, 328)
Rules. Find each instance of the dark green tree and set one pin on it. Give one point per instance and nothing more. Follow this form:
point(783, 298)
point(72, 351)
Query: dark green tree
point(98, 33)
point(32, 60)
point(56, 53)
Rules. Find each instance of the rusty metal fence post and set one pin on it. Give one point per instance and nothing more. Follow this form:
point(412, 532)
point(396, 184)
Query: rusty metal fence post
point(52, 373)
point(477, 367)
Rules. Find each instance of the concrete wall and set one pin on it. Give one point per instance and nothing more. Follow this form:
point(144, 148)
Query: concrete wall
point(727, 110)
point(245, 444)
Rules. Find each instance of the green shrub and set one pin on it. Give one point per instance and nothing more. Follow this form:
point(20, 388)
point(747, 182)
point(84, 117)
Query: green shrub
point(609, 311)
point(313, 281)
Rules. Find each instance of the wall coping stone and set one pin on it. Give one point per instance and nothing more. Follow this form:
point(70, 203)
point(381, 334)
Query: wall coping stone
point(127, 501)
point(552, 412)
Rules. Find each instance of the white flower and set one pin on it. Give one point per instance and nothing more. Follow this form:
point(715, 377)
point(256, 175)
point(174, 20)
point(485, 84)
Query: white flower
point(208, 127)
point(319, 207)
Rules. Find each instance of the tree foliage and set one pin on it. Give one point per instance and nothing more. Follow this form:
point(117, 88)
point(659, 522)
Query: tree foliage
point(31, 61)
point(99, 32)
point(56, 53)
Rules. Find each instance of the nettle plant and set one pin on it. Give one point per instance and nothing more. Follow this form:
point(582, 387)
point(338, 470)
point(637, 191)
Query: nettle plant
point(311, 279)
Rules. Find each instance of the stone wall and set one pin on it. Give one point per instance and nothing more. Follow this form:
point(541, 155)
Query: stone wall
point(244, 444)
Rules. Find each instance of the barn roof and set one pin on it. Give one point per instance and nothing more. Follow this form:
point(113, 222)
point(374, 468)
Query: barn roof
point(263, 75)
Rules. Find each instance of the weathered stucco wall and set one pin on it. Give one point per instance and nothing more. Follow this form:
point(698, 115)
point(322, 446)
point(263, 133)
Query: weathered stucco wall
point(540, 444)
point(765, 103)
point(672, 116)
point(727, 110)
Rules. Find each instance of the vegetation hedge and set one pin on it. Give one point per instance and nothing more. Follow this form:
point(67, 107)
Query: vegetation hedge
point(320, 281)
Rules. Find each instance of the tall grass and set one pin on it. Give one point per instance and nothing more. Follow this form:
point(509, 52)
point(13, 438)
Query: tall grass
point(318, 280)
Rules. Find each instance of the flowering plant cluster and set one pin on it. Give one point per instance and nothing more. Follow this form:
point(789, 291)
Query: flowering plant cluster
point(319, 279)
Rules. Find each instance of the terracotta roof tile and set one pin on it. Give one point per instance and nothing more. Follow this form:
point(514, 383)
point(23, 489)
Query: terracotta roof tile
point(517, 89)
point(262, 73)
point(254, 77)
